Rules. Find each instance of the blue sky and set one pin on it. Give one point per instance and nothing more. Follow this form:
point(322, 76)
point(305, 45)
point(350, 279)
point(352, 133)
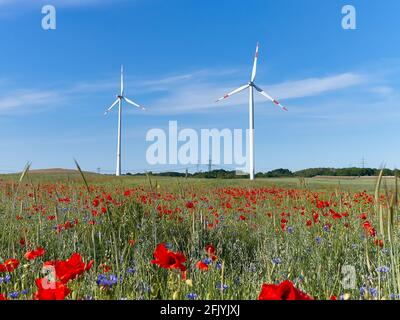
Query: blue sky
point(341, 86)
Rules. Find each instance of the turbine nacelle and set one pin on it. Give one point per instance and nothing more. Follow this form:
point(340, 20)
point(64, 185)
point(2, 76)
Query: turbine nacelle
point(120, 98)
point(252, 85)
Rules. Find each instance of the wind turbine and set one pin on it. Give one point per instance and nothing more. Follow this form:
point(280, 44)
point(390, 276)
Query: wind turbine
point(121, 97)
point(251, 86)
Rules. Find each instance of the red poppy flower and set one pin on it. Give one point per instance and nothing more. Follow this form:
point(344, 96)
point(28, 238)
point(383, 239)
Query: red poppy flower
point(369, 229)
point(363, 216)
point(70, 268)
point(2, 297)
point(51, 290)
point(167, 259)
point(284, 291)
point(106, 268)
point(333, 298)
point(32, 255)
point(379, 243)
point(96, 202)
point(9, 265)
point(189, 205)
point(202, 266)
point(210, 249)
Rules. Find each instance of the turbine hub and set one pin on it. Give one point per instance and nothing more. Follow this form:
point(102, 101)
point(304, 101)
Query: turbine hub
point(251, 83)
point(119, 96)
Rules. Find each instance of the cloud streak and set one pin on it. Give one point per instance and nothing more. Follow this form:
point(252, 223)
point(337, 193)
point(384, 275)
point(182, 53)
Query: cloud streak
point(200, 97)
point(28, 101)
point(185, 93)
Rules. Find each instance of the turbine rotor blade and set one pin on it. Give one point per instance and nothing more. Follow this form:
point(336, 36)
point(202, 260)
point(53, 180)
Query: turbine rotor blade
point(133, 103)
point(122, 80)
point(233, 92)
point(269, 97)
point(112, 106)
point(254, 72)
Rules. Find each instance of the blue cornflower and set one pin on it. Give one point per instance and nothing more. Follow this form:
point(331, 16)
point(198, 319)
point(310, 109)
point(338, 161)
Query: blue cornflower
point(191, 296)
point(326, 228)
point(394, 296)
point(290, 230)
point(218, 265)
point(207, 261)
point(113, 278)
point(362, 291)
point(383, 269)
point(221, 287)
point(277, 261)
point(25, 291)
point(14, 295)
point(7, 278)
point(131, 270)
point(373, 291)
point(104, 281)
point(318, 240)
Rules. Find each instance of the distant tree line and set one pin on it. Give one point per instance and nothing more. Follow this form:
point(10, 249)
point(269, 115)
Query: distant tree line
point(279, 173)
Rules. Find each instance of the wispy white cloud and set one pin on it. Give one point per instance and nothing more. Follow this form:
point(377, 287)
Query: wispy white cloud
point(200, 96)
point(383, 90)
point(316, 86)
point(29, 101)
point(193, 92)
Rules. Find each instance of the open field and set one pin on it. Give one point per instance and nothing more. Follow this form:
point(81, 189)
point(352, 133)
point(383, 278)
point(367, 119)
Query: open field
point(223, 239)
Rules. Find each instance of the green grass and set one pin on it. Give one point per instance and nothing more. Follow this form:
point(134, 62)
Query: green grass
point(246, 249)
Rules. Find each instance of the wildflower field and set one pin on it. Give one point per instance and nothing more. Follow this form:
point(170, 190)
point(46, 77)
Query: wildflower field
point(98, 237)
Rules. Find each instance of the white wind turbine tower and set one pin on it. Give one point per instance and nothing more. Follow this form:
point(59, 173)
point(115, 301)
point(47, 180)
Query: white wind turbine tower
point(121, 97)
point(251, 85)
